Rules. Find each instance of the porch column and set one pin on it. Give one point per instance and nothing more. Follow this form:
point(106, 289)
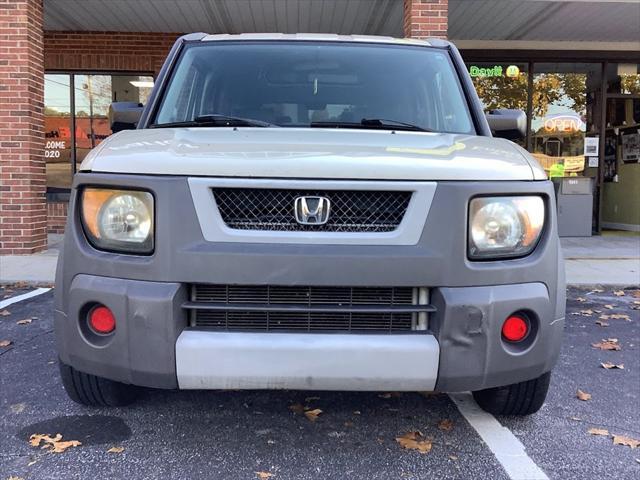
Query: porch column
point(23, 214)
point(426, 18)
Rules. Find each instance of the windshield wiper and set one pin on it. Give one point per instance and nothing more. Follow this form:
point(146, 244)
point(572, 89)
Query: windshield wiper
point(374, 123)
point(216, 120)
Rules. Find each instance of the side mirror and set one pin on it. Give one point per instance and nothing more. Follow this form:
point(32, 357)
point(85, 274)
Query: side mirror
point(124, 115)
point(507, 123)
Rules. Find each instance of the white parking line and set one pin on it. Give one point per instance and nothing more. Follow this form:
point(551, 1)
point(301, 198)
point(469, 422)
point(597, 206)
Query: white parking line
point(24, 296)
point(507, 449)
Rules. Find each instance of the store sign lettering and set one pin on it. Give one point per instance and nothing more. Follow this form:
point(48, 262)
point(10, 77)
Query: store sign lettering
point(563, 123)
point(511, 71)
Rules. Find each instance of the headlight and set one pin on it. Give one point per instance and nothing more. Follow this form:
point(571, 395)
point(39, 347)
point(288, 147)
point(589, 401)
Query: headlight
point(118, 220)
point(502, 227)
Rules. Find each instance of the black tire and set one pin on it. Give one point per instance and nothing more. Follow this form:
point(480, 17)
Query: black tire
point(519, 399)
point(94, 391)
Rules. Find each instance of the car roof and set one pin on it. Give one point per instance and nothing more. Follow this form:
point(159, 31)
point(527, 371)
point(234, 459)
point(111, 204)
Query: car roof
point(325, 37)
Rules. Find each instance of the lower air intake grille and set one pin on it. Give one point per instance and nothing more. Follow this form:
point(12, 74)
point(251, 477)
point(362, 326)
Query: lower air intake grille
point(304, 309)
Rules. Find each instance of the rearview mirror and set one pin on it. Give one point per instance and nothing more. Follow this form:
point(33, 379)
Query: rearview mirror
point(124, 115)
point(508, 123)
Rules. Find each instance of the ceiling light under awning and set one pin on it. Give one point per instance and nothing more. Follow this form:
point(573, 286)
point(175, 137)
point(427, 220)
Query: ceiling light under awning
point(142, 83)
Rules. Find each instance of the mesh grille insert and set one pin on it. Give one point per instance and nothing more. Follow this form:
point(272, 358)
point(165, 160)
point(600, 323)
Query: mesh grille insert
point(273, 209)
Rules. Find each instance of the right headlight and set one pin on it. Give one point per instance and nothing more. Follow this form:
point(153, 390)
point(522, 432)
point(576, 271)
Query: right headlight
point(503, 227)
point(118, 220)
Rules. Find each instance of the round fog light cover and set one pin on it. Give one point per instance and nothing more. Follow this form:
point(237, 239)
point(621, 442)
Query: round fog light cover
point(101, 320)
point(515, 328)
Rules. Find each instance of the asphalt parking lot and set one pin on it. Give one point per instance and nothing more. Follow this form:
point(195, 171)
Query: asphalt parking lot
point(234, 434)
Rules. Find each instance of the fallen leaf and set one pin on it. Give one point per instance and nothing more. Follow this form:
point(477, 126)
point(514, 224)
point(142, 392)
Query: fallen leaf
point(626, 441)
point(577, 419)
point(313, 414)
point(445, 425)
point(610, 307)
point(53, 444)
point(608, 344)
point(584, 396)
point(581, 299)
point(619, 293)
point(598, 431)
point(116, 450)
point(602, 323)
point(620, 316)
point(24, 321)
point(264, 475)
point(5, 343)
point(636, 302)
point(4, 313)
point(453, 457)
point(18, 407)
point(595, 290)
point(356, 412)
point(297, 408)
point(13, 477)
point(609, 366)
point(415, 441)
point(389, 395)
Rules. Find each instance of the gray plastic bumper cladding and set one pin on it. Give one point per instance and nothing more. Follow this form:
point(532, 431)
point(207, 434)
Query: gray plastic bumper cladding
point(463, 351)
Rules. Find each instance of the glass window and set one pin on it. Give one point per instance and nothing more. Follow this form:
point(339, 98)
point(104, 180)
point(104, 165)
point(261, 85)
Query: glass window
point(93, 95)
point(57, 131)
point(562, 95)
point(304, 84)
point(501, 85)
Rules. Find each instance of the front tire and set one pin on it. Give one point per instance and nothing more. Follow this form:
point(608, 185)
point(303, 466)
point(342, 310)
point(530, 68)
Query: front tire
point(518, 399)
point(94, 391)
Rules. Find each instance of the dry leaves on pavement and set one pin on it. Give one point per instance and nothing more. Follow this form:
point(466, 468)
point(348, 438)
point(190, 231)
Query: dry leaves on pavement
point(445, 425)
point(602, 323)
point(298, 408)
point(607, 344)
point(24, 321)
point(415, 441)
point(609, 307)
point(581, 299)
point(5, 343)
point(598, 431)
point(264, 475)
point(116, 450)
point(619, 293)
point(312, 414)
point(584, 313)
point(627, 441)
point(4, 313)
point(52, 444)
point(584, 396)
point(609, 366)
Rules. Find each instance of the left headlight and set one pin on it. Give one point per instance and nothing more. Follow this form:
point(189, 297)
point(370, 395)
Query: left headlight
point(503, 227)
point(118, 220)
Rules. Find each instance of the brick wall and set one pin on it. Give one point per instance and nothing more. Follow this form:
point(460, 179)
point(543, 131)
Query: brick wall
point(107, 51)
point(56, 216)
point(426, 18)
point(23, 221)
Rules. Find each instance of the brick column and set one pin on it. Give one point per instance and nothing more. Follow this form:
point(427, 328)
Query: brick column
point(426, 18)
point(23, 214)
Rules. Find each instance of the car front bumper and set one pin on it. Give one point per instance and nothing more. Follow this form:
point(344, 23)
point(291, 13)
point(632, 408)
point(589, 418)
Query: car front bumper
point(153, 345)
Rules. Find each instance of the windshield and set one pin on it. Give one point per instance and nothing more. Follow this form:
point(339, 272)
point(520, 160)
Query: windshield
point(315, 84)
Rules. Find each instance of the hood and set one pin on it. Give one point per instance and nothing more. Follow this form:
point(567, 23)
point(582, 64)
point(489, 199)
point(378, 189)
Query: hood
point(310, 153)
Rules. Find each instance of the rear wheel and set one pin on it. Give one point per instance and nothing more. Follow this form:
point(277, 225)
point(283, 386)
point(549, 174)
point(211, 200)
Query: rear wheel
point(522, 398)
point(94, 391)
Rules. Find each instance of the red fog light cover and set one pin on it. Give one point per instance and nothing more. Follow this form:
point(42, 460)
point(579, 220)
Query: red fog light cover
point(101, 320)
point(515, 328)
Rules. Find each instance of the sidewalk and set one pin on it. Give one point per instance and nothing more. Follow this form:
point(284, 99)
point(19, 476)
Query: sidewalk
point(611, 259)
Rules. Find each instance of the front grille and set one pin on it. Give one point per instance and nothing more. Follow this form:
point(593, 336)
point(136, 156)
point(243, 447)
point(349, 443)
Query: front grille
point(304, 309)
point(273, 209)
